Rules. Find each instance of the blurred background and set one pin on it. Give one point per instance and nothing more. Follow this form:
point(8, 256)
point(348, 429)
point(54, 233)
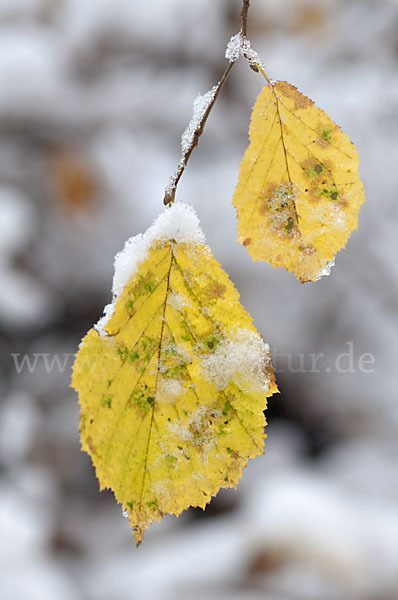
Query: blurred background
point(94, 96)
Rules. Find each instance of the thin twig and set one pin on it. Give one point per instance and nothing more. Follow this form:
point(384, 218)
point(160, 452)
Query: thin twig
point(170, 194)
point(244, 15)
point(172, 187)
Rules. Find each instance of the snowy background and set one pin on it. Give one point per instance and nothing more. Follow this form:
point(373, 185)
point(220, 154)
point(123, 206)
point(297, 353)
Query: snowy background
point(94, 95)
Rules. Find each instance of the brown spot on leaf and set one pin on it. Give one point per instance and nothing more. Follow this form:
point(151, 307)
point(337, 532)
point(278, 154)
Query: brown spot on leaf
point(215, 289)
point(234, 454)
point(307, 248)
point(263, 208)
point(300, 101)
point(91, 445)
point(247, 241)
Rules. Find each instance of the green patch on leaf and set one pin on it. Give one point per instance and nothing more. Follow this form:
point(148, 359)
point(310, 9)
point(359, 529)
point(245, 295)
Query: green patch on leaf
point(150, 286)
point(123, 353)
point(316, 170)
point(176, 372)
point(332, 193)
point(107, 401)
point(143, 398)
point(289, 226)
point(212, 343)
point(227, 408)
point(326, 136)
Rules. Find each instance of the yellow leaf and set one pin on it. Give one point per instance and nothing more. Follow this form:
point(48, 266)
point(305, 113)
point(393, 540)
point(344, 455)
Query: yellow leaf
point(299, 190)
point(173, 380)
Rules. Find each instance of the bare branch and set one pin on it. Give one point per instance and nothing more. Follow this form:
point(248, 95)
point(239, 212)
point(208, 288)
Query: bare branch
point(244, 15)
point(171, 189)
point(172, 186)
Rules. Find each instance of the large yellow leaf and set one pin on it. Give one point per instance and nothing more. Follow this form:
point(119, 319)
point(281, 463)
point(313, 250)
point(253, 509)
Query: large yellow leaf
point(173, 380)
point(299, 190)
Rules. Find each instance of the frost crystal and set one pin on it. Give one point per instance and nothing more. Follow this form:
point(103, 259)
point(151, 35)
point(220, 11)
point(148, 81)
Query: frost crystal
point(282, 210)
point(326, 270)
point(200, 106)
point(241, 359)
point(169, 389)
point(177, 301)
point(239, 46)
point(197, 429)
point(108, 312)
point(178, 222)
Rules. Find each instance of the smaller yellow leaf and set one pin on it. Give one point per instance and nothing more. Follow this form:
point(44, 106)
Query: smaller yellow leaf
point(299, 191)
point(174, 378)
